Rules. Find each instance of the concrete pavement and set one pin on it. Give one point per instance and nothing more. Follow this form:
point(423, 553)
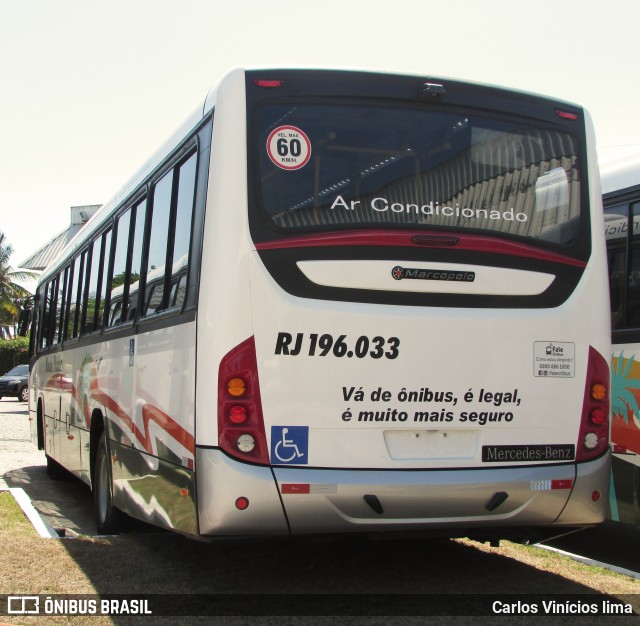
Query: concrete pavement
point(65, 504)
point(16, 449)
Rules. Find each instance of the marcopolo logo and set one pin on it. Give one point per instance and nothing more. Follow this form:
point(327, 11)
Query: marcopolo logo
point(401, 273)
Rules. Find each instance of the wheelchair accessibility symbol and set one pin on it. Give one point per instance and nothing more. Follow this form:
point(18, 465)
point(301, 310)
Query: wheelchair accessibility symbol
point(290, 445)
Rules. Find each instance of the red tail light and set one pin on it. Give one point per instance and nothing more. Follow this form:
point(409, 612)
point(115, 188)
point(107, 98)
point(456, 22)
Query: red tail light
point(593, 439)
point(566, 115)
point(240, 423)
point(238, 414)
point(269, 84)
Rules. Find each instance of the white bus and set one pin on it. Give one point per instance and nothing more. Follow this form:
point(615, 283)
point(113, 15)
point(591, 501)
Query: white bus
point(621, 197)
point(339, 302)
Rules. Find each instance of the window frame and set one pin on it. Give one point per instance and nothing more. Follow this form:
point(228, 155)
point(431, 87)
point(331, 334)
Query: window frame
point(628, 198)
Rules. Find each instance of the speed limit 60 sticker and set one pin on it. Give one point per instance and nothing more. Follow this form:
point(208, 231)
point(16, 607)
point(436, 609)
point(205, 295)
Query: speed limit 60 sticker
point(289, 147)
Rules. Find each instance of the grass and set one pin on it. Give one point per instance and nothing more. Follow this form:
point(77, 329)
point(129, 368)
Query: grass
point(12, 519)
point(166, 563)
point(32, 565)
point(598, 579)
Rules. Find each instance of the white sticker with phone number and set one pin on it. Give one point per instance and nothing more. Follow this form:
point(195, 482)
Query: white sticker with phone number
point(554, 359)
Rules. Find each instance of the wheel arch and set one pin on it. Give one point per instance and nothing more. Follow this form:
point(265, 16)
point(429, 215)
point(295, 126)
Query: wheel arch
point(97, 427)
point(40, 426)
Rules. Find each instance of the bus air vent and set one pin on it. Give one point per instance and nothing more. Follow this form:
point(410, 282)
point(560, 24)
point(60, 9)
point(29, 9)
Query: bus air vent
point(374, 503)
point(496, 500)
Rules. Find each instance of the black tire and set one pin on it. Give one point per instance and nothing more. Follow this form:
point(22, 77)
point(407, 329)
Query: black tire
point(107, 516)
point(23, 394)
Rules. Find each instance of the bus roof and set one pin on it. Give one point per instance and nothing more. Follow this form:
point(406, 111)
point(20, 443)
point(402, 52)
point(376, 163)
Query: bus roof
point(203, 108)
point(620, 173)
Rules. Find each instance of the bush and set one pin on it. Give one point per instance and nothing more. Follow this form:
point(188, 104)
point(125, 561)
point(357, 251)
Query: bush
point(13, 352)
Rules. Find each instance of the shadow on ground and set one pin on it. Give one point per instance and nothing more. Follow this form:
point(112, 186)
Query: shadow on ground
point(344, 577)
point(66, 504)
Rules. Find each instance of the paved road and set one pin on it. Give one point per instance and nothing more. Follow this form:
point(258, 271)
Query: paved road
point(16, 449)
point(65, 504)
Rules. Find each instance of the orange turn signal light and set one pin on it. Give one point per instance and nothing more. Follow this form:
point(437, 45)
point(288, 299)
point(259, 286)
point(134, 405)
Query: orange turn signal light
point(598, 391)
point(236, 387)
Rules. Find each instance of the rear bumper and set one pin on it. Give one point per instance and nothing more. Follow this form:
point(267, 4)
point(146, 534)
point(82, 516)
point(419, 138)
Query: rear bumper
point(298, 501)
point(221, 481)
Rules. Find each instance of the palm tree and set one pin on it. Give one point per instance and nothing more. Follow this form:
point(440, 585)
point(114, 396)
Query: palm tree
point(12, 295)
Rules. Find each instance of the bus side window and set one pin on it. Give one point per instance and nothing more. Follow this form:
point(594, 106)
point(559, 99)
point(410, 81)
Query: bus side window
point(170, 237)
point(183, 224)
point(158, 239)
point(70, 300)
point(93, 304)
point(633, 281)
point(115, 312)
point(126, 265)
point(179, 291)
point(155, 298)
point(91, 290)
point(53, 299)
point(617, 259)
point(48, 303)
point(135, 262)
point(80, 268)
point(133, 307)
point(118, 287)
point(616, 228)
point(62, 286)
point(35, 327)
point(104, 285)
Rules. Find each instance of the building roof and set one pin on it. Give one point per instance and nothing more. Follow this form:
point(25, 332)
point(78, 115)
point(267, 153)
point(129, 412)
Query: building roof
point(40, 259)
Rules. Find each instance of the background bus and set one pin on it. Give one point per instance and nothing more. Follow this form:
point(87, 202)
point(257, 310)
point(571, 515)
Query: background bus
point(621, 197)
point(339, 302)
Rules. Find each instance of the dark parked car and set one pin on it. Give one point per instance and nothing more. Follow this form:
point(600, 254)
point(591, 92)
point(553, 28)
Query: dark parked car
point(16, 383)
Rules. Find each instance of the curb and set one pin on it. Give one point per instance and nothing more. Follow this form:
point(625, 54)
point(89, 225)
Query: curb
point(42, 527)
point(591, 562)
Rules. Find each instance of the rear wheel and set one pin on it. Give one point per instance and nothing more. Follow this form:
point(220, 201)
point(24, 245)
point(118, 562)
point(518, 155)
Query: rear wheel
point(107, 516)
point(23, 396)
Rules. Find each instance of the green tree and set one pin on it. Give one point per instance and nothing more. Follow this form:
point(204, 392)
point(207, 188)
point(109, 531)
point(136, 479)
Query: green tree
point(12, 295)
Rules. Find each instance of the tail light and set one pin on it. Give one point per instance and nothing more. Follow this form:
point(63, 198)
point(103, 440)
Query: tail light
point(593, 439)
point(268, 84)
point(567, 115)
point(240, 424)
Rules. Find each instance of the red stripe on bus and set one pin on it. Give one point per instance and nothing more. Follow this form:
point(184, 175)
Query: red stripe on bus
point(418, 239)
point(168, 424)
point(149, 413)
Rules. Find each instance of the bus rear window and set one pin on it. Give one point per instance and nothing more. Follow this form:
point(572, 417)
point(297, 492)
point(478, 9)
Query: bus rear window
point(331, 166)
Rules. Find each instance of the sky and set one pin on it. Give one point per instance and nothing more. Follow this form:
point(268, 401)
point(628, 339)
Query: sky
point(89, 88)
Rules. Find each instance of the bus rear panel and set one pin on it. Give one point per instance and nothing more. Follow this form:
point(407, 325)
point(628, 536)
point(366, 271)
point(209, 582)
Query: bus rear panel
point(415, 337)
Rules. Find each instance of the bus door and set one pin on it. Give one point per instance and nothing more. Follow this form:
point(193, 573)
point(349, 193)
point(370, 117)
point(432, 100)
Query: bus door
point(50, 369)
point(67, 447)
